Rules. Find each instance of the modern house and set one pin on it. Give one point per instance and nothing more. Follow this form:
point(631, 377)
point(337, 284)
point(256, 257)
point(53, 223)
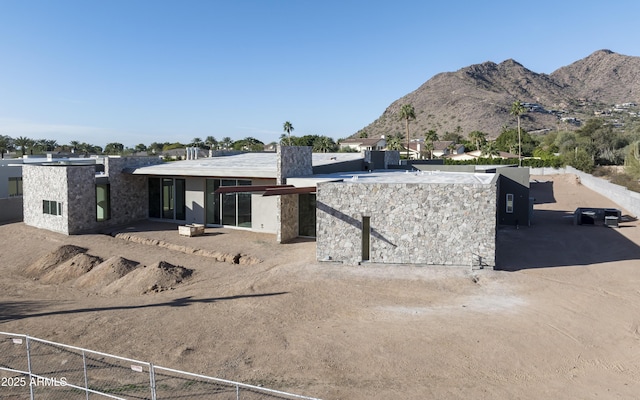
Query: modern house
point(418, 149)
point(475, 154)
point(356, 205)
point(363, 144)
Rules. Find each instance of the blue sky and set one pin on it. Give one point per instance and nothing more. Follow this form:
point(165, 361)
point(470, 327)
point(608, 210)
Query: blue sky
point(139, 71)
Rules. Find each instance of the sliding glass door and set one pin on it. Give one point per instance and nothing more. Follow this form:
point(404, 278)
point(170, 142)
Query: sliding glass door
point(167, 198)
point(231, 209)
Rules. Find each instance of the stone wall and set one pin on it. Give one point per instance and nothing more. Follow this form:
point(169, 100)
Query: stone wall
point(81, 198)
point(45, 183)
point(129, 193)
point(293, 161)
point(287, 218)
point(440, 224)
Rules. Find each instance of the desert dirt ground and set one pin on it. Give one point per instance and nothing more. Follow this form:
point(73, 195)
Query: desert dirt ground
point(560, 320)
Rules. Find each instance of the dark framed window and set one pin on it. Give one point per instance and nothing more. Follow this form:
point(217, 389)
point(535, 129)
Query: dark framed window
point(15, 186)
point(231, 209)
point(51, 207)
point(103, 202)
point(509, 203)
point(167, 198)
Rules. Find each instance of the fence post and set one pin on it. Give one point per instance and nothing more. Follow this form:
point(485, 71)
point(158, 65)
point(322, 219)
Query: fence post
point(86, 377)
point(237, 392)
point(26, 340)
point(152, 381)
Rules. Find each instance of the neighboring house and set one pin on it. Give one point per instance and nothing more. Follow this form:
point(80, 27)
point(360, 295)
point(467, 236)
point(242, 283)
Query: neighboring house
point(445, 148)
point(363, 144)
point(472, 155)
point(357, 207)
point(418, 149)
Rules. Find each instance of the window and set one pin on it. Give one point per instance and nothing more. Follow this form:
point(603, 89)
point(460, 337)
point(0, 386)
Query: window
point(167, 198)
point(51, 207)
point(15, 187)
point(509, 203)
point(232, 209)
point(103, 202)
point(307, 214)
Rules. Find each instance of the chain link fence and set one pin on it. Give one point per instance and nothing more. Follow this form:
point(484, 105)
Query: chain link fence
point(35, 369)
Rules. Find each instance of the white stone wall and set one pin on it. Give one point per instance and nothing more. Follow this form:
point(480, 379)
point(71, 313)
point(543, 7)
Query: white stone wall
point(75, 187)
point(45, 183)
point(440, 224)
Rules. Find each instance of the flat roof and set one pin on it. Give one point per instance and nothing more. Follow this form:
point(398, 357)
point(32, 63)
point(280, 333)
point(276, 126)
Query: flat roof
point(395, 176)
point(250, 165)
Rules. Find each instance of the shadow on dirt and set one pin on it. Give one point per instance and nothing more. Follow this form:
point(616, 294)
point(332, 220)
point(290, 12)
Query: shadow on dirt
point(554, 241)
point(11, 311)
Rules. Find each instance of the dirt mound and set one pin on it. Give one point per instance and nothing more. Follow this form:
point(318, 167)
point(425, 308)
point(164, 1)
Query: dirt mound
point(51, 260)
point(149, 279)
point(74, 267)
point(106, 272)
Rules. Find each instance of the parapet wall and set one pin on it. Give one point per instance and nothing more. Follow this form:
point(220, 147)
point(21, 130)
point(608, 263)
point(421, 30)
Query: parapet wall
point(439, 224)
point(620, 195)
point(293, 161)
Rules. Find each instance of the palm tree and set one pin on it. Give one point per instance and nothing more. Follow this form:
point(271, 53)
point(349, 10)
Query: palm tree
point(197, 142)
point(394, 142)
point(430, 137)
point(288, 128)
point(407, 112)
point(226, 142)
point(5, 145)
point(478, 137)
point(324, 144)
point(74, 145)
point(518, 109)
point(23, 143)
point(490, 149)
point(211, 142)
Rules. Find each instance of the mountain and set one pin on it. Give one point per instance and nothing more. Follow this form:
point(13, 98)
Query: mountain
point(480, 96)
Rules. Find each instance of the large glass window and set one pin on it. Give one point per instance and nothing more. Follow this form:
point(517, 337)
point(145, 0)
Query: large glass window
point(15, 186)
point(232, 209)
point(167, 198)
point(307, 214)
point(103, 202)
point(155, 201)
point(213, 202)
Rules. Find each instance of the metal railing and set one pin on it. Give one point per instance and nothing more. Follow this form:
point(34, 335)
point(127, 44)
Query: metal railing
point(32, 368)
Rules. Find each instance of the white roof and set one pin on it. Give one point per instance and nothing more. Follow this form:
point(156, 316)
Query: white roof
point(394, 176)
point(249, 165)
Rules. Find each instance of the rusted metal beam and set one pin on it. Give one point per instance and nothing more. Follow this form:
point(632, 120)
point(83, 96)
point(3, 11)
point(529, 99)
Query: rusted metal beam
point(289, 190)
point(248, 188)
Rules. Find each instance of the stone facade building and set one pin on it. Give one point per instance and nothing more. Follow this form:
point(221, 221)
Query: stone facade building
point(74, 198)
point(408, 218)
point(357, 207)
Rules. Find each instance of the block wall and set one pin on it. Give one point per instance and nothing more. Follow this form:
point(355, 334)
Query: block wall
point(440, 224)
point(129, 193)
